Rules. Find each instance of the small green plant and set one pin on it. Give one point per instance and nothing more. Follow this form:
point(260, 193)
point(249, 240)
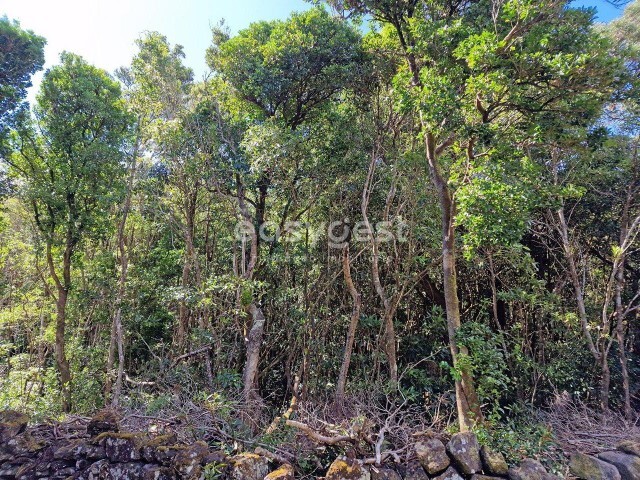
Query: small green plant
point(215, 470)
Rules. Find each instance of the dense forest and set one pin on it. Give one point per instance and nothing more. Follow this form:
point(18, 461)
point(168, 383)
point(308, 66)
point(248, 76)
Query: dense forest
point(418, 206)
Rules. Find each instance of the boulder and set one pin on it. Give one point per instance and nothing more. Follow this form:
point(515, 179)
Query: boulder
point(104, 421)
point(21, 445)
point(188, 461)
point(284, 472)
point(464, 449)
point(432, 455)
point(630, 446)
point(485, 477)
point(450, 474)
point(347, 469)
point(528, 469)
point(124, 471)
point(157, 472)
point(384, 473)
point(249, 466)
point(493, 462)
point(12, 423)
point(122, 447)
point(149, 447)
point(8, 470)
point(627, 465)
point(414, 471)
point(587, 467)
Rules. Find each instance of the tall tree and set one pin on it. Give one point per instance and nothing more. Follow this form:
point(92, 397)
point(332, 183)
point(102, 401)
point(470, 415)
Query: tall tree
point(286, 70)
point(70, 161)
point(477, 75)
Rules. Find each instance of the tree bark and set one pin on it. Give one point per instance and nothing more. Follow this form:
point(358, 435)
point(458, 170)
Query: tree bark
point(389, 304)
point(353, 325)
point(62, 288)
point(117, 336)
point(467, 402)
point(253, 340)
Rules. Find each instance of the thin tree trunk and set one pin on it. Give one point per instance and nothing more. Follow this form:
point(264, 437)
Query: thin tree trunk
point(575, 281)
point(253, 339)
point(353, 325)
point(117, 336)
point(468, 404)
point(62, 287)
point(389, 304)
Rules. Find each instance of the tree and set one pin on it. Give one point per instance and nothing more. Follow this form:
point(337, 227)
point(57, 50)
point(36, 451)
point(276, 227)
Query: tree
point(478, 75)
point(286, 71)
point(21, 55)
point(70, 163)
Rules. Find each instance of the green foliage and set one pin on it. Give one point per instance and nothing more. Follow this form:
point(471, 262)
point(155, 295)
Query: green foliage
point(533, 110)
point(21, 55)
point(288, 68)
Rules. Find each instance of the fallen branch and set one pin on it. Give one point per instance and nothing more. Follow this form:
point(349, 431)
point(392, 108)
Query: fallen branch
point(190, 354)
point(318, 437)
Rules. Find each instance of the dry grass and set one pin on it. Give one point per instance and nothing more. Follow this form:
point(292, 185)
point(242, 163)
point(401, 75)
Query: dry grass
point(579, 428)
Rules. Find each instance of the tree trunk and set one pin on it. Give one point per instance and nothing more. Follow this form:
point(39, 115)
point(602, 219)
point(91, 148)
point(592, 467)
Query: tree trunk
point(62, 288)
point(468, 404)
point(353, 324)
point(254, 341)
point(389, 304)
point(117, 336)
point(605, 383)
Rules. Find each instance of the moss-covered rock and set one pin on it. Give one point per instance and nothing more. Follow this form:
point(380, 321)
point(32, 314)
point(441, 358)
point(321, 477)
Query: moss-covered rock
point(586, 467)
point(347, 469)
point(464, 449)
point(630, 446)
point(105, 420)
point(284, 472)
point(188, 461)
point(12, 423)
point(432, 455)
point(493, 463)
point(249, 466)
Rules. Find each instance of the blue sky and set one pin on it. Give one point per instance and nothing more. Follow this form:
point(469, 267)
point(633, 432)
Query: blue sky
point(104, 31)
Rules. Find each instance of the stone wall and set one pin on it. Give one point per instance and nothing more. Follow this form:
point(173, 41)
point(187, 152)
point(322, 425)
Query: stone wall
point(97, 450)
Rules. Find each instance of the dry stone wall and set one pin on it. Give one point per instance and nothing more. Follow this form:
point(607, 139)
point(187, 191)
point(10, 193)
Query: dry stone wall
point(101, 451)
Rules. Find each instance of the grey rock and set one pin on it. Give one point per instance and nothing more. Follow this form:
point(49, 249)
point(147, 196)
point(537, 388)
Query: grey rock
point(528, 469)
point(415, 471)
point(587, 467)
point(464, 449)
point(627, 465)
point(432, 455)
point(493, 462)
point(450, 474)
point(384, 473)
